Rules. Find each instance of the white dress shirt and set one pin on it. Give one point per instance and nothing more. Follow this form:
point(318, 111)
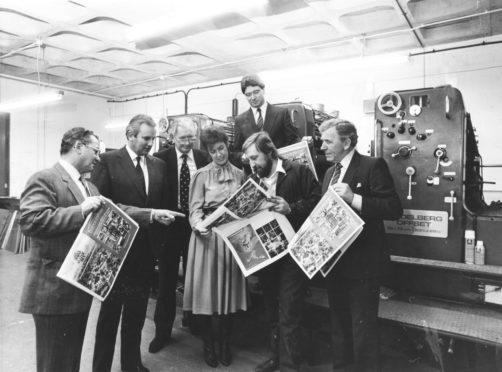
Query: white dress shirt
point(191, 167)
point(271, 182)
point(74, 174)
point(142, 164)
point(345, 162)
point(263, 109)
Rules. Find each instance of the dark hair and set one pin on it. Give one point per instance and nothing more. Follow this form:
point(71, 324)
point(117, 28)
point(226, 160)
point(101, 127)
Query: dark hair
point(263, 144)
point(132, 129)
point(344, 128)
point(73, 135)
point(211, 135)
point(251, 81)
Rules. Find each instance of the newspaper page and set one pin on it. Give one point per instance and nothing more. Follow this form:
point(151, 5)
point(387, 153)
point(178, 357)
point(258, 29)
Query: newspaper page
point(247, 200)
point(299, 152)
point(258, 241)
point(96, 256)
point(326, 234)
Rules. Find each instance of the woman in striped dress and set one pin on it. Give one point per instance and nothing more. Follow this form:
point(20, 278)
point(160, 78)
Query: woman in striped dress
point(214, 284)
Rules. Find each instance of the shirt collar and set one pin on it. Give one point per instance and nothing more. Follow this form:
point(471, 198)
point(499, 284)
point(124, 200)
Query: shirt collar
point(262, 107)
point(72, 171)
point(347, 159)
point(133, 155)
point(278, 169)
point(179, 153)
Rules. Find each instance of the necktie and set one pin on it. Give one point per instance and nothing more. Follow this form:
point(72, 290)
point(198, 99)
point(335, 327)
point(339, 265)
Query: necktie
point(140, 173)
point(184, 184)
point(259, 123)
point(336, 174)
point(86, 188)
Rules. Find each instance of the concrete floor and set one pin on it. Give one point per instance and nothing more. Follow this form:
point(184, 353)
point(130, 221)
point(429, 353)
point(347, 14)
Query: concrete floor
point(17, 338)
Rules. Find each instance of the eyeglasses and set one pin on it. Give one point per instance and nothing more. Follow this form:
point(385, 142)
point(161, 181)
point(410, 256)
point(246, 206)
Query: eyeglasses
point(253, 93)
point(94, 150)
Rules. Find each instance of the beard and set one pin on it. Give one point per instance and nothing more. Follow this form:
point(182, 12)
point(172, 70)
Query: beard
point(265, 170)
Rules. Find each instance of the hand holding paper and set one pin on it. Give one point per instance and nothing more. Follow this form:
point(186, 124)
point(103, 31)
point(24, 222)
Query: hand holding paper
point(344, 191)
point(279, 205)
point(91, 204)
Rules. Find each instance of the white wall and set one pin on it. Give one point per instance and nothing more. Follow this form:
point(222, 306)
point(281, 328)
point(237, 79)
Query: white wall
point(35, 133)
point(476, 72)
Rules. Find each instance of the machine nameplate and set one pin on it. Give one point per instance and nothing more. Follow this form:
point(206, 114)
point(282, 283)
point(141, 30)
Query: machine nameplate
point(433, 224)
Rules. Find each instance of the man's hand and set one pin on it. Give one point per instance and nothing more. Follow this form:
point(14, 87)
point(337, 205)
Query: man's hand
point(344, 191)
point(90, 204)
point(162, 216)
point(279, 205)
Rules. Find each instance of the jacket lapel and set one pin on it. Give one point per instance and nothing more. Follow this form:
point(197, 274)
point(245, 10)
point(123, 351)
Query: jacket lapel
point(128, 167)
point(282, 176)
point(269, 118)
point(72, 186)
point(348, 178)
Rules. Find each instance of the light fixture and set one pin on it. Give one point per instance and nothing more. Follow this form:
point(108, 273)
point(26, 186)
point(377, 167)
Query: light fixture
point(114, 124)
point(31, 101)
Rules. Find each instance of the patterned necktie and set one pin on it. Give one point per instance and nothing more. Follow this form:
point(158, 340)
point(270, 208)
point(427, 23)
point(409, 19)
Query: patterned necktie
point(140, 173)
point(184, 184)
point(86, 188)
point(336, 174)
point(259, 123)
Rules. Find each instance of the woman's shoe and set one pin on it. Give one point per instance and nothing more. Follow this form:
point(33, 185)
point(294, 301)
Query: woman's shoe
point(210, 355)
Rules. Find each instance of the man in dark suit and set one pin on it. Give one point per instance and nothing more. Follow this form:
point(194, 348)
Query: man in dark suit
point(184, 131)
point(53, 207)
point(294, 192)
point(261, 116)
point(353, 285)
point(131, 176)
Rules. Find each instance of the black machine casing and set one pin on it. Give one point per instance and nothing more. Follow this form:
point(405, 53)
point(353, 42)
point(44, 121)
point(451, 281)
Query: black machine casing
point(428, 141)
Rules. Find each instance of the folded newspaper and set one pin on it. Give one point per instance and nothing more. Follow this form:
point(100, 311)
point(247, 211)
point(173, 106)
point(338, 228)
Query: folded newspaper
point(96, 256)
point(326, 234)
point(298, 152)
point(258, 241)
point(246, 201)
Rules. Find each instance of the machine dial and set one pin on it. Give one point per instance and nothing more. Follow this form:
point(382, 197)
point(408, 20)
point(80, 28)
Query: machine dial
point(415, 110)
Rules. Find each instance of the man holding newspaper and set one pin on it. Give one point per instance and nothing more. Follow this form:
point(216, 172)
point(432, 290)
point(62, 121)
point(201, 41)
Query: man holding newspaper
point(366, 185)
point(293, 192)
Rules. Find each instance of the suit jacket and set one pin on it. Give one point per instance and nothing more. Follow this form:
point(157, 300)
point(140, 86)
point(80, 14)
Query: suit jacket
point(277, 124)
point(169, 156)
point(116, 178)
point(370, 178)
point(300, 189)
point(51, 217)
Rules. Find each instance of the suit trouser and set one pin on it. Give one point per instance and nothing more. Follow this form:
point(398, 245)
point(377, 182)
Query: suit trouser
point(284, 285)
point(132, 305)
point(169, 261)
point(354, 314)
point(59, 340)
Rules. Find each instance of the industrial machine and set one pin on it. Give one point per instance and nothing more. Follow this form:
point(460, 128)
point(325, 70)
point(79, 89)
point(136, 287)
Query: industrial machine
point(427, 138)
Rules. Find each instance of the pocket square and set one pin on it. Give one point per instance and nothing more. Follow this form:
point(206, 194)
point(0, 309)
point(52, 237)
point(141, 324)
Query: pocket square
point(359, 185)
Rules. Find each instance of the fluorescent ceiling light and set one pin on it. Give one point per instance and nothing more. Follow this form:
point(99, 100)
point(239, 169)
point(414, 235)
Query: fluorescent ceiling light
point(116, 124)
point(179, 14)
point(367, 62)
point(31, 101)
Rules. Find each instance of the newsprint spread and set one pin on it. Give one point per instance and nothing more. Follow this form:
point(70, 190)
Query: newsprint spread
point(247, 200)
point(326, 234)
point(258, 241)
point(298, 152)
point(96, 256)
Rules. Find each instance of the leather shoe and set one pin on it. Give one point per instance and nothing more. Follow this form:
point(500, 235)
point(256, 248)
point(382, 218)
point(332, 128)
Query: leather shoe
point(269, 365)
point(138, 368)
point(210, 355)
point(157, 344)
point(225, 354)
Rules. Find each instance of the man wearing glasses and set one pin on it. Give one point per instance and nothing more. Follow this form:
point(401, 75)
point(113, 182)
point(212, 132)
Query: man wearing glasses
point(182, 161)
point(261, 116)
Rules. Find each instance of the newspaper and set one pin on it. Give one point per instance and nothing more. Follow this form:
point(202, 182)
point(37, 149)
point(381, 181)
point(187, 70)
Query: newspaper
point(258, 241)
point(298, 152)
point(246, 201)
point(96, 256)
point(326, 234)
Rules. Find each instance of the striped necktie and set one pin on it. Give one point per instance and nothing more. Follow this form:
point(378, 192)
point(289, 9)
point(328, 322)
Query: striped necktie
point(259, 123)
point(336, 174)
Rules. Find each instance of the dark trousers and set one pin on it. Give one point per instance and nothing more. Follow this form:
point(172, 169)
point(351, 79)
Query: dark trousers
point(354, 313)
point(284, 285)
point(169, 261)
point(59, 340)
point(131, 302)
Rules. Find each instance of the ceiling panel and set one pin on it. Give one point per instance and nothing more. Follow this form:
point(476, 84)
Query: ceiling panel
point(122, 48)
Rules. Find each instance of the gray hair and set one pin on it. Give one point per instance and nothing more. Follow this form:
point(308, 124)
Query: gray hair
point(184, 121)
point(344, 128)
point(135, 123)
